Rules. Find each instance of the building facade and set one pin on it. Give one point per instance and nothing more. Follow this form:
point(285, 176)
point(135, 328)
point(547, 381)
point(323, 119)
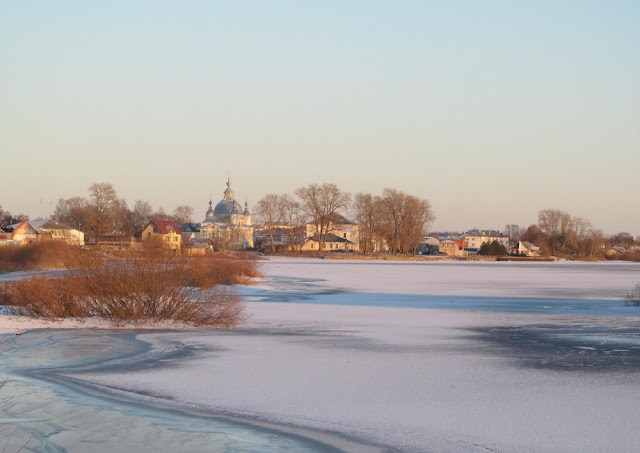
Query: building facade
point(167, 231)
point(451, 248)
point(340, 227)
point(475, 238)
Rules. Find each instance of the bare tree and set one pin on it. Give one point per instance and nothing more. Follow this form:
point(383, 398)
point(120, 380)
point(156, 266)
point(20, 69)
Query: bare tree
point(557, 225)
point(320, 203)
point(104, 208)
point(567, 234)
point(595, 244)
point(404, 220)
point(183, 214)
point(582, 229)
point(137, 219)
point(623, 239)
point(6, 218)
point(120, 214)
point(159, 214)
point(514, 232)
point(74, 212)
point(294, 217)
point(269, 209)
point(367, 210)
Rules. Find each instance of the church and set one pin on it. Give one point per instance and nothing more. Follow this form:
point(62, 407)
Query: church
point(227, 225)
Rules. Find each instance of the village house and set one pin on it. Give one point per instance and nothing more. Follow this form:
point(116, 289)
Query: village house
point(475, 238)
point(166, 230)
point(118, 240)
point(7, 239)
point(286, 238)
point(462, 244)
point(332, 243)
point(340, 227)
point(615, 252)
point(24, 233)
point(429, 246)
point(525, 248)
point(451, 248)
point(58, 231)
point(43, 229)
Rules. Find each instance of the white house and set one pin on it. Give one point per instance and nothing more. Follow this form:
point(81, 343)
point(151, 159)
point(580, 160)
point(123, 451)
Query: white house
point(340, 227)
point(475, 238)
point(525, 248)
point(47, 228)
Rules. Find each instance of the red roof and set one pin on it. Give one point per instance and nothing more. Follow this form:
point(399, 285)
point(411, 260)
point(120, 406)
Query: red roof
point(165, 226)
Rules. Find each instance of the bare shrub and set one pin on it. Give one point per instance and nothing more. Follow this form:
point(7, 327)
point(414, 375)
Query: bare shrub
point(43, 298)
point(633, 298)
point(210, 270)
point(145, 287)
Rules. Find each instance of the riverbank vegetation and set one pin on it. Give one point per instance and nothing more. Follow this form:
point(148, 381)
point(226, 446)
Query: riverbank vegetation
point(148, 286)
point(38, 256)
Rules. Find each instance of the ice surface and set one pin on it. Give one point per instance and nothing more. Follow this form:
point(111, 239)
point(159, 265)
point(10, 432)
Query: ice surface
point(419, 379)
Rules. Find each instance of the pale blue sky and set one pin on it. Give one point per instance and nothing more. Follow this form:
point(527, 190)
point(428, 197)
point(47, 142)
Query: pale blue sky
point(490, 110)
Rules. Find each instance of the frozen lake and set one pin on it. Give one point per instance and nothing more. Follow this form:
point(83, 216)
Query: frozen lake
point(354, 356)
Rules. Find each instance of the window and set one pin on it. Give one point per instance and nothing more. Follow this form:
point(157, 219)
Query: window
point(345, 235)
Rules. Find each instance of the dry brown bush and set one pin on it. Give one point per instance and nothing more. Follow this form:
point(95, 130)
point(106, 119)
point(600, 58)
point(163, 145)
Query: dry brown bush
point(145, 287)
point(38, 256)
point(44, 298)
point(210, 270)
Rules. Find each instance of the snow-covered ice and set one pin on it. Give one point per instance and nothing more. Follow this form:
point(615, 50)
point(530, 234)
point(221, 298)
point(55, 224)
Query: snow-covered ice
point(419, 379)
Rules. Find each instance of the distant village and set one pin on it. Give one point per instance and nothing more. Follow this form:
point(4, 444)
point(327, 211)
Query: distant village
point(314, 222)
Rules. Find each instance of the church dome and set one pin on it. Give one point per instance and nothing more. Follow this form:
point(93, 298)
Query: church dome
point(228, 205)
point(210, 212)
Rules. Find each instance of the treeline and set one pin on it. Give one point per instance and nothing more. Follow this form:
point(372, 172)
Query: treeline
point(102, 211)
point(559, 233)
point(394, 217)
point(6, 218)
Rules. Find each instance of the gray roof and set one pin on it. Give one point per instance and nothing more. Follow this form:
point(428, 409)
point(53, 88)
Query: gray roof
point(330, 237)
point(340, 219)
point(488, 233)
point(190, 227)
point(41, 225)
